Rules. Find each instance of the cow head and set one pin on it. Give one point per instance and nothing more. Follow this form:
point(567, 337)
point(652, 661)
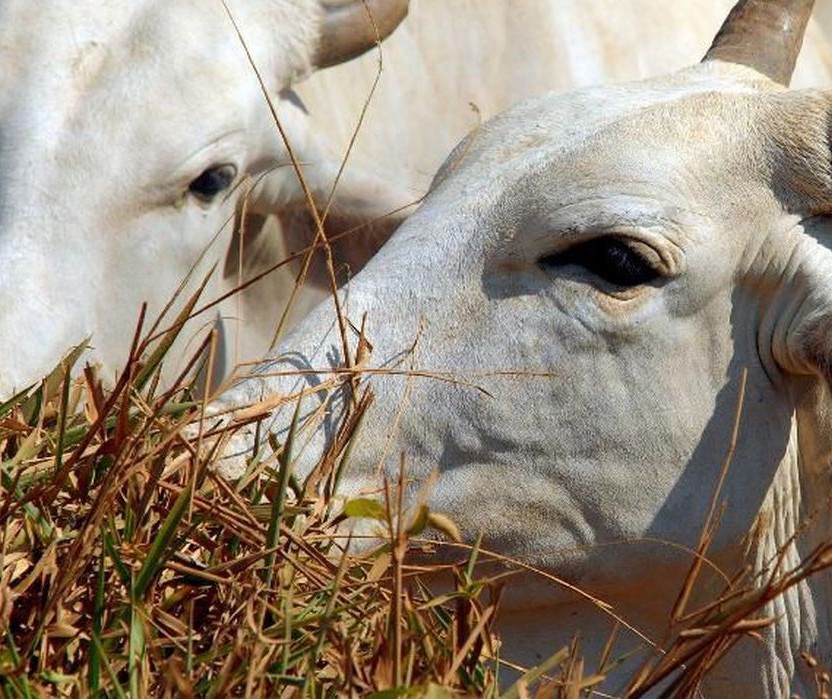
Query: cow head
point(127, 130)
point(606, 266)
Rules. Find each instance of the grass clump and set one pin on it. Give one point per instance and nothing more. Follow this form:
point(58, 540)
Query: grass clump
point(128, 567)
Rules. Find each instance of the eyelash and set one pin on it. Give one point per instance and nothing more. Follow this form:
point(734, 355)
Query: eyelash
point(609, 258)
point(213, 182)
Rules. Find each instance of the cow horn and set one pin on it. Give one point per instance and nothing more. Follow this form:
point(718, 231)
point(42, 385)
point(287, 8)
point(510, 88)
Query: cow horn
point(347, 31)
point(764, 35)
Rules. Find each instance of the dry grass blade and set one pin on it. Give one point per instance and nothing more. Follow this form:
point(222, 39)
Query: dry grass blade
point(709, 635)
point(711, 519)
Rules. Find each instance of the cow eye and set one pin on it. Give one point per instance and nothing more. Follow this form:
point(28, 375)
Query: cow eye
point(611, 259)
point(212, 182)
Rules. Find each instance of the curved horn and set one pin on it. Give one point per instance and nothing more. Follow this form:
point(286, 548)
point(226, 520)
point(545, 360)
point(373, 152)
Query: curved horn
point(765, 35)
point(347, 31)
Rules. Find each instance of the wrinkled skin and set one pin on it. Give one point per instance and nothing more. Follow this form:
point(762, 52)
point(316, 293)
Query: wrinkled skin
point(710, 189)
point(110, 110)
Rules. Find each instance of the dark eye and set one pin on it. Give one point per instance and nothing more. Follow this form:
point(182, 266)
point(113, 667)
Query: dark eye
point(212, 182)
point(609, 258)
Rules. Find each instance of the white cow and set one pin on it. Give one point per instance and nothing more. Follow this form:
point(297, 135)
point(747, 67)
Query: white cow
point(110, 112)
point(606, 264)
point(126, 132)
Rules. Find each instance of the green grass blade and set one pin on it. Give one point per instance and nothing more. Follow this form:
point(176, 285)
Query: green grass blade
point(472, 560)
point(136, 649)
point(116, 686)
point(50, 386)
point(62, 418)
point(42, 526)
point(285, 461)
point(537, 672)
point(122, 570)
point(94, 681)
point(158, 551)
point(14, 401)
point(21, 689)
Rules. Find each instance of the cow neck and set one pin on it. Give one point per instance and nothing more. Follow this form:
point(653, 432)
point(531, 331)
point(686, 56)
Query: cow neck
point(794, 520)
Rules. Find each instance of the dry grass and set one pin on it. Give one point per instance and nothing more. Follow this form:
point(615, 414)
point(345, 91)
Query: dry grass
point(128, 568)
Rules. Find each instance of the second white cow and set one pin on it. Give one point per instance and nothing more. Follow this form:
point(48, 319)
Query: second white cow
point(127, 131)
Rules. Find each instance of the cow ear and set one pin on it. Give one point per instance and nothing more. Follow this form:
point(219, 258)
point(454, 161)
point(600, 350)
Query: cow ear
point(364, 213)
point(799, 321)
point(359, 222)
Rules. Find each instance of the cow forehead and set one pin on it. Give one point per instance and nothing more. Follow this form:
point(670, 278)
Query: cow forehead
point(138, 85)
point(58, 50)
point(666, 144)
point(55, 35)
point(623, 118)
